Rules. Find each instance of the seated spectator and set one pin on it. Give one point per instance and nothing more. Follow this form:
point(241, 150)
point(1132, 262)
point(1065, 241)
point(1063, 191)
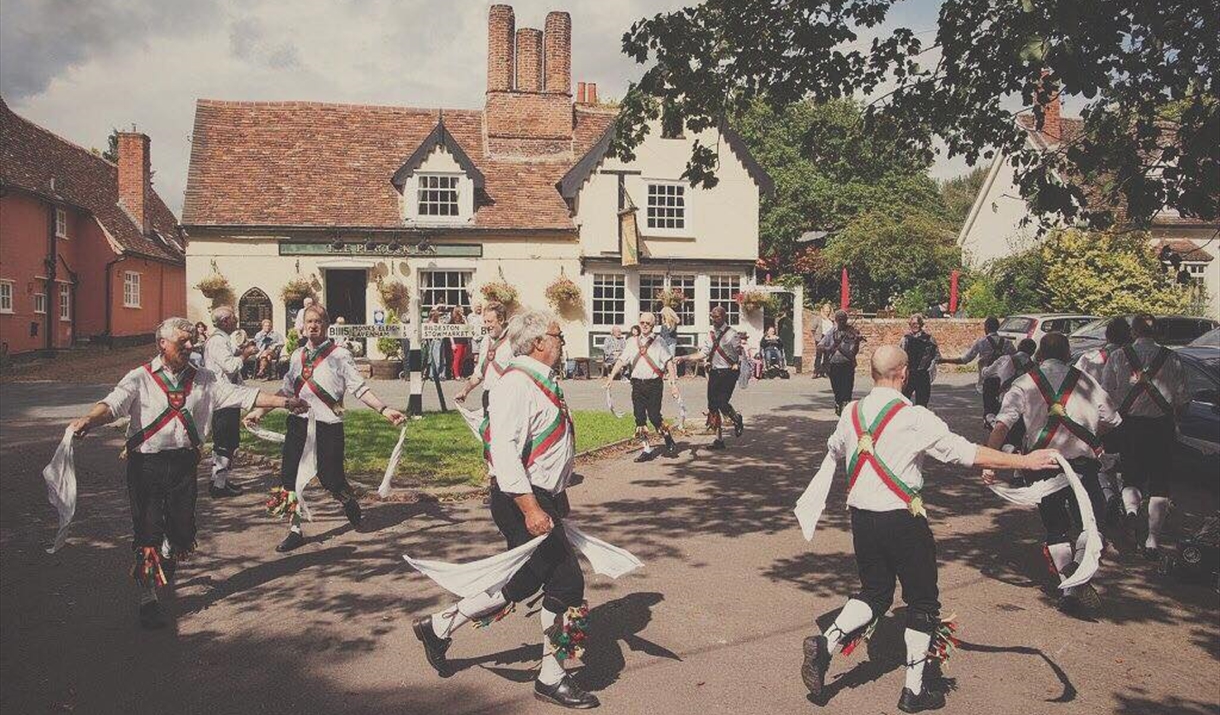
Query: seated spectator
point(269, 344)
point(612, 348)
point(772, 349)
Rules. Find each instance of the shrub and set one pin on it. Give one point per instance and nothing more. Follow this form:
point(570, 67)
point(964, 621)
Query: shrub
point(1108, 273)
point(390, 347)
point(292, 340)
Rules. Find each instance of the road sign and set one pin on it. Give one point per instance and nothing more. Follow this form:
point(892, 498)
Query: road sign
point(378, 317)
point(358, 332)
point(433, 331)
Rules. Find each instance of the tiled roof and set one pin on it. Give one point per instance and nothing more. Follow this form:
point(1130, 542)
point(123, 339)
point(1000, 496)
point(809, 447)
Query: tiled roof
point(310, 164)
point(30, 157)
point(1188, 250)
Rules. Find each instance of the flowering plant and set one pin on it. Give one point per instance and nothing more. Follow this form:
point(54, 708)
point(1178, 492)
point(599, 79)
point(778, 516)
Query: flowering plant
point(562, 291)
point(296, 290)
point(753, 301)
point(499, 291)
point(214, 286)
point(671, 298)
point(395, 295)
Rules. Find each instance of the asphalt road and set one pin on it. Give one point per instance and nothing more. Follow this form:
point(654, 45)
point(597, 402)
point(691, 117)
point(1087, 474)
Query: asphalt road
point(712, 624)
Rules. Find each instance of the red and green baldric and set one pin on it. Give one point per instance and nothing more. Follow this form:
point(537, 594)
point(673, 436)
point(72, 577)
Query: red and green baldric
point(177, 410)
point(1143, 381)
point(309, 363)
point(490, 361)
point(548, 437)
point(866, 443)
point(642, 354)
point(1056, 414)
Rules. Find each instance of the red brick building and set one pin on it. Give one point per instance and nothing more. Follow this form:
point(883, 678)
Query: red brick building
point(88, 251)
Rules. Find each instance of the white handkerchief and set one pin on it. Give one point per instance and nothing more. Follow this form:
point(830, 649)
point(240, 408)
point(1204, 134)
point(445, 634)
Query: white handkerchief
point(266, 434)
point(473, 420)
point(1031, 495)
point(60, 476)
point(395, 457)
point(307, 469)
point(812, 503)
point(1092, 547)
point(610, 405)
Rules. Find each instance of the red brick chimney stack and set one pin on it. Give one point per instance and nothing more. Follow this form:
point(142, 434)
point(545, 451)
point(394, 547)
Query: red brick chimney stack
point(1051, 114)
point(500, 43)
point(135, 179)
point(580, 92)
point(558, 51)
point(529, 60)
point(591, 92)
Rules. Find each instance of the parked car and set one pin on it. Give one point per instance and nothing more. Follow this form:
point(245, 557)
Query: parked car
point(1199, 428)
point(1015, 328)
point(1175, 331)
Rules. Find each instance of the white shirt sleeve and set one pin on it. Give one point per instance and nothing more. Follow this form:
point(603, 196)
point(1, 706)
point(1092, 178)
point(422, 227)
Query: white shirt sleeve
point(706, 348)
point(972, 352)
point(1107, 411)
point(508, 417)
point(351, 375)
point(1176, 377)
point(836, 444)
point(225, 394)
point(120, 398)
point(1010, 408)
point(218, 351)
point(943, 444)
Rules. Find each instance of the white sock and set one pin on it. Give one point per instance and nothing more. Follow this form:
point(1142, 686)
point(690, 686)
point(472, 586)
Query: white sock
point(148, 594)
point(855, 615)
point(1158, 508)
point(1081, 542)
point(918, 644)
point(220, 470)
point(1132, 499)
point(551, 671)
point(1061, 556)
point(444, 623)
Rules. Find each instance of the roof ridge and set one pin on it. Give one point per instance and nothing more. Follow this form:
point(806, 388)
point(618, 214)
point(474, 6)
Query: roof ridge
point(205, 102)
point(67, 142)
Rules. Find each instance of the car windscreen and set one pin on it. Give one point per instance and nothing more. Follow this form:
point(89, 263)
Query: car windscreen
point(1095, 329)
point(1210, 339)
point(1016, 325)
point(1201, 378)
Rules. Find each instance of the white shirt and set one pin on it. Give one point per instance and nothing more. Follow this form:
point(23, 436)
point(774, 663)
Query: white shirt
point(336, 374)
point(502, 356)
point(658, 350)
point(1093, 362)
point(1119, 377)
point(140, 397)
point(1006, 367)
point(987, 349)
point(1089, 405)
point(912, 434)
point(729, 343)
point(520, 413)
point(220, 358)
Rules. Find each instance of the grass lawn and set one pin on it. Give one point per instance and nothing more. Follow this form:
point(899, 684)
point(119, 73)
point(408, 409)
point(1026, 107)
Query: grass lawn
point(440, 451)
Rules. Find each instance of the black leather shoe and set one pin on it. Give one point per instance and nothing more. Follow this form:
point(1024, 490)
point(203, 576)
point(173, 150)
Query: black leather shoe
point(927, 699)
point(738, 425)
point(294, 540)
point(817, 662)
point(434, 646)
point(645, 457)
point(169, 567)
point(717, 444)
point(228, 490)
point(565, 693)
point(671, 449)
point(150, 616)
point(351, 507)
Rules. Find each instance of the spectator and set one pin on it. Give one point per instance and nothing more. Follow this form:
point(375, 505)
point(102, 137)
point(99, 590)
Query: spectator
point(201, 337)
point(922, 356)
point(842, 343)
point(434, 350)
point(461, 345)
point(476, 343)
point(299, 322)
point(269, 344)
point(772, 349)
point(822, 324)
point(635, 331)
point(612, 348)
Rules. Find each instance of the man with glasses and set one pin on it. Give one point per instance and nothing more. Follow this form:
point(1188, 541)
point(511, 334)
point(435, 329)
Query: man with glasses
point(647, 358)
point(722, 349)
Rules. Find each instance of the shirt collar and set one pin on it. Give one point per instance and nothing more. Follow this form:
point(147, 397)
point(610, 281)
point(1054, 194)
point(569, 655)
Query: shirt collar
point(539, 366)
point(889, 393)
point(159, 364)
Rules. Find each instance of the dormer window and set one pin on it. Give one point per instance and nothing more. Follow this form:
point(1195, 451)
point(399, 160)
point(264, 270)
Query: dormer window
point(437, 195)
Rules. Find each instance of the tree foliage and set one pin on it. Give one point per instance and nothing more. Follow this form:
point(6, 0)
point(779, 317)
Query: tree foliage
point(1107, 273)
point(958, 195)
point(1147, 68)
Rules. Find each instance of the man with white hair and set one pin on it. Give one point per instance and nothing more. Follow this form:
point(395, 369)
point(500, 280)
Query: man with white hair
point(647, 358)
point(533, 448)
point(225, 360)
point(884, 440)
point(299, 321)
point(170, 403)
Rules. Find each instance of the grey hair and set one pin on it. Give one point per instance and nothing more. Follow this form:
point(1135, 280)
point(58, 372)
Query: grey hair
point(528, 327)
point(220, 313)
point(168, 329)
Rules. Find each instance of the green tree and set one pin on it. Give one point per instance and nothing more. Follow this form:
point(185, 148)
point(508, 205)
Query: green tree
point(1020, 281)
point(958, 195)
point(1148, 69)
point(1107, 273)
point(887, 258)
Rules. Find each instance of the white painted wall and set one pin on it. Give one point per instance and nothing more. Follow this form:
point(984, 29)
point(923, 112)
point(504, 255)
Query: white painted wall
point(439, 161)
point(994, 229)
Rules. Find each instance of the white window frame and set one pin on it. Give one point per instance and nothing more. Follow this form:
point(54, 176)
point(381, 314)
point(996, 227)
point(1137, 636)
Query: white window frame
point(428, 291)
point(6, 296)
point(418, 199)
point(616, 282)
point(65, 302)
point(61, 222)
point(1195, 269)
point(128, 284)
point(716, 295)
point(690, 309)
point(40, 303)
point(671, 196)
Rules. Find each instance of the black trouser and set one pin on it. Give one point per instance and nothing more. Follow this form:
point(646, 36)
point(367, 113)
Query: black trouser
point(918, 388)
point(553, 567)
point(1147, 453)
point(897, 545)
point(1059, 511)
point(991, 396)
point(842, 380)
point(162, 488)
point(329, 451)
point(820, 360)
point(721, 381)
point(226, 431)
point(646, 401)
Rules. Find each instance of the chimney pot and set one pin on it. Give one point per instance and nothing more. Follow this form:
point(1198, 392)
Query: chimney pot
point(529, 60)
point(580, 92)
point(1052, 112)
point(557, 41)
point(591, 92)
point(135, 178)
point(500, 52)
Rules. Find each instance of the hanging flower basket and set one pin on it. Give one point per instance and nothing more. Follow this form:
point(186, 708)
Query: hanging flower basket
point(296, 290)
point(500, 292)
point(562, 292)
point(753, 301)
point(214, 286)
point(395, 295)
point(672, 298)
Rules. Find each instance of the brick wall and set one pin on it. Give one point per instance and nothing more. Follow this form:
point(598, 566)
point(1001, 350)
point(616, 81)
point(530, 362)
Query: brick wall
point(529, 115)
point(558, 51)
point(953, 335)
point(500, 44)
point(529, 60)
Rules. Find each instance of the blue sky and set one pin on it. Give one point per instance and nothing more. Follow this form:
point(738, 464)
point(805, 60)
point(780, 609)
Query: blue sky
point(81, 67)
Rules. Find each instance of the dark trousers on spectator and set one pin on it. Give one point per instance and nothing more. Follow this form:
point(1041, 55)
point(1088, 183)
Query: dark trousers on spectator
point(919, 387)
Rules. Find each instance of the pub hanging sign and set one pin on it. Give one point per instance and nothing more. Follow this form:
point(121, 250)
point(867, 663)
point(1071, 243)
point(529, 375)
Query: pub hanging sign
point(393, 249)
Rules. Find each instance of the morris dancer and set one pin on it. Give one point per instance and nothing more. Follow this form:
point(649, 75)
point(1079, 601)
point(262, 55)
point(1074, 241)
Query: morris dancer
point(1006, 369)
point(494, 356)
point(226, 362)
point(987, 349)
point(1148, 383)
point(722, 349)
point(171, 404)
point(319, 372)
point(887, 438)
point(1093, 364)
point(533, 447)
point(647, 358)
point(1064, 409)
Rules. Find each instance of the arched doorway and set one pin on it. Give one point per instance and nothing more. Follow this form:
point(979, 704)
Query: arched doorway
point(253, 308)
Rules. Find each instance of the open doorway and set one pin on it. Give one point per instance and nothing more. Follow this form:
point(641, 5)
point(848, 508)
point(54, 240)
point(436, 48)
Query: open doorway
point(345, 295)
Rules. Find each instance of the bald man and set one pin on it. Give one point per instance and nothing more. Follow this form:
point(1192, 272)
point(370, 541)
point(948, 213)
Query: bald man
point(884, 439)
